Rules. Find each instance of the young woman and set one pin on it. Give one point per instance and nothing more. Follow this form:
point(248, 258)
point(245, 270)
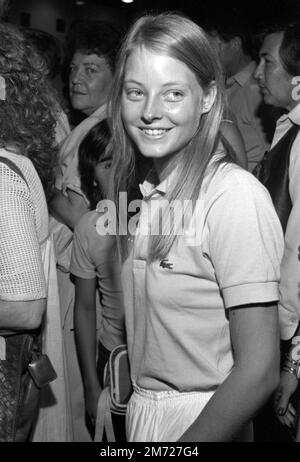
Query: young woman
point(200, 305)
point(94, 264)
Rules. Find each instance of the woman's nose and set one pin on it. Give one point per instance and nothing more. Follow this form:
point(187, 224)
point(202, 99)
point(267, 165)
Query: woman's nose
point(75, 75)
point(152, 110)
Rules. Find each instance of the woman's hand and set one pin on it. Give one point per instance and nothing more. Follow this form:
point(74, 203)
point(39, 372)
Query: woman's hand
point(284, 409)
point(91, 402)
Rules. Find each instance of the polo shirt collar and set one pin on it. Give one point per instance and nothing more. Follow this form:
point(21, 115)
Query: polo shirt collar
point(293, 116)
point(242, 76)
point(148, 188)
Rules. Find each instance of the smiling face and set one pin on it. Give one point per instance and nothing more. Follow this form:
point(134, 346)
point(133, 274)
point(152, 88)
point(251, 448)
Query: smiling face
point(89, 82)
point(275, 82)
point(161, 104)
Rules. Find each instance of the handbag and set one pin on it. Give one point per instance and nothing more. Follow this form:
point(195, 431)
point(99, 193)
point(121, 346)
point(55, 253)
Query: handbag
point(116, 392)
point(19, 390)
point(23, 371)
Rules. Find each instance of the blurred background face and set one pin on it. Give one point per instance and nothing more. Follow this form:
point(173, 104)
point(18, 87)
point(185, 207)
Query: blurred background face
point(226, 51)
point(161, 104)
point(89, 82)
point(102, 174)
point(274, 81)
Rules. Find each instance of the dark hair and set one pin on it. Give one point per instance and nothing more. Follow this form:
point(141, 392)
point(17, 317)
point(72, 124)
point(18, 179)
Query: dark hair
point(4, 8)
point(49, 49)
point(228, 30)
point(90, 151)
point(289, 50)
point(27, 114)
point(95, 36)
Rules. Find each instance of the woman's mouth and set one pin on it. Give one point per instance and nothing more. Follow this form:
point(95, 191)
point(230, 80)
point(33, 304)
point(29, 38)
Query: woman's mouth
point(155, 131)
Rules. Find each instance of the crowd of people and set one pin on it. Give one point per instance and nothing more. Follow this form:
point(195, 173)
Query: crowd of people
point(200, 132)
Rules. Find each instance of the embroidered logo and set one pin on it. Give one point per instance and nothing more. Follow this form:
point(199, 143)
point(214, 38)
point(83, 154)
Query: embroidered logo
point(166, 264)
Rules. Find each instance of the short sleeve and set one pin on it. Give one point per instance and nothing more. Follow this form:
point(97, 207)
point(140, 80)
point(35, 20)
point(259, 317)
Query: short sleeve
point(21, 268)
point(245, 243)
point(82, 264)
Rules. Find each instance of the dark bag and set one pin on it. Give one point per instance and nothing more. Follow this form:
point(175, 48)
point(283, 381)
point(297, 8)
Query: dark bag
point(19, 392)
point(115, 394)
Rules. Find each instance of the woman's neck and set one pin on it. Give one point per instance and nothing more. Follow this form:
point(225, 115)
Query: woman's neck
point(165, 165)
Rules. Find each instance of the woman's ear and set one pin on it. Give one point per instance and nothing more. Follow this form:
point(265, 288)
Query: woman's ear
point(209, 98)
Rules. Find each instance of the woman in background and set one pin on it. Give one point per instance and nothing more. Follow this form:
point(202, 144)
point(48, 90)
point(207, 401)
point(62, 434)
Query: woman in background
point(28, 291)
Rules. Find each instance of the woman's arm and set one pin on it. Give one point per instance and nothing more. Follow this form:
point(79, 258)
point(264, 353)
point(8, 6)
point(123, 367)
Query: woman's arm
point(21, 315)
point(85, 334)
point(255, 341)
point(289, 382)
point(68, 209)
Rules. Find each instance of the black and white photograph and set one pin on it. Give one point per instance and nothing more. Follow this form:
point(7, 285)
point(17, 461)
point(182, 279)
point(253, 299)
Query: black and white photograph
point(149, 225)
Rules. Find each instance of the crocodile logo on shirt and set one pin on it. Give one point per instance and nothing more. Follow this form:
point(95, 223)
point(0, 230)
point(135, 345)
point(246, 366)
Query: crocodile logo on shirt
point(166, 264)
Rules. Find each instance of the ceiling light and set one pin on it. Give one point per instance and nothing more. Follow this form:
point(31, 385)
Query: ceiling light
point(127, 1)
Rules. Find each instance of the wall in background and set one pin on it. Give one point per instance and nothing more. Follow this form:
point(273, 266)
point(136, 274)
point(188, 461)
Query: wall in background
point(55, 16)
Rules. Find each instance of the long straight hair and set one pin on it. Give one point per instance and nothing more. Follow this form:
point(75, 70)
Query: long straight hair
point(180, 38)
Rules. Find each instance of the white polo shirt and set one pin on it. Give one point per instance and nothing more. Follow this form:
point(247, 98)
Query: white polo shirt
point(289, 305)
point(177, 329)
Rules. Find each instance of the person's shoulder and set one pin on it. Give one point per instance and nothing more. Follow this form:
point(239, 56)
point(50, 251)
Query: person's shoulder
point(86, 221)
point(91, 230)
point(15, 162)
point(230, 176)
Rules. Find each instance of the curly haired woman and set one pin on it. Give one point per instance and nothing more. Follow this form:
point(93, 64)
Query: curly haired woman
point(27, 171)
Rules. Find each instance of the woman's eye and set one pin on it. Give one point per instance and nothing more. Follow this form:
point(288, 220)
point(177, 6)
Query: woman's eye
point(134, 94)
point(90, 70)
point(174, 95)
point(105, 165)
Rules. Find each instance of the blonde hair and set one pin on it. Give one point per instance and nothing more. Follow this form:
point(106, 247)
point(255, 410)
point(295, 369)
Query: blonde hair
point(180, 38)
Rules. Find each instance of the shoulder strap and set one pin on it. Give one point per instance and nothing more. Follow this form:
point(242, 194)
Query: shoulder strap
point(13, 167)
point(104, 419)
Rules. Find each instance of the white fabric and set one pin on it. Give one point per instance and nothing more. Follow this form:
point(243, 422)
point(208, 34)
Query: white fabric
point(162, 416)
point(289, 303)
point(53, 424)
point(23, 225)
point(69, 177)
point(175, 309)
point(62, 128)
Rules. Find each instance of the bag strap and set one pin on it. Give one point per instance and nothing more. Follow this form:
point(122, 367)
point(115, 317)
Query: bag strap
point(13, 167)
point(104, 419)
